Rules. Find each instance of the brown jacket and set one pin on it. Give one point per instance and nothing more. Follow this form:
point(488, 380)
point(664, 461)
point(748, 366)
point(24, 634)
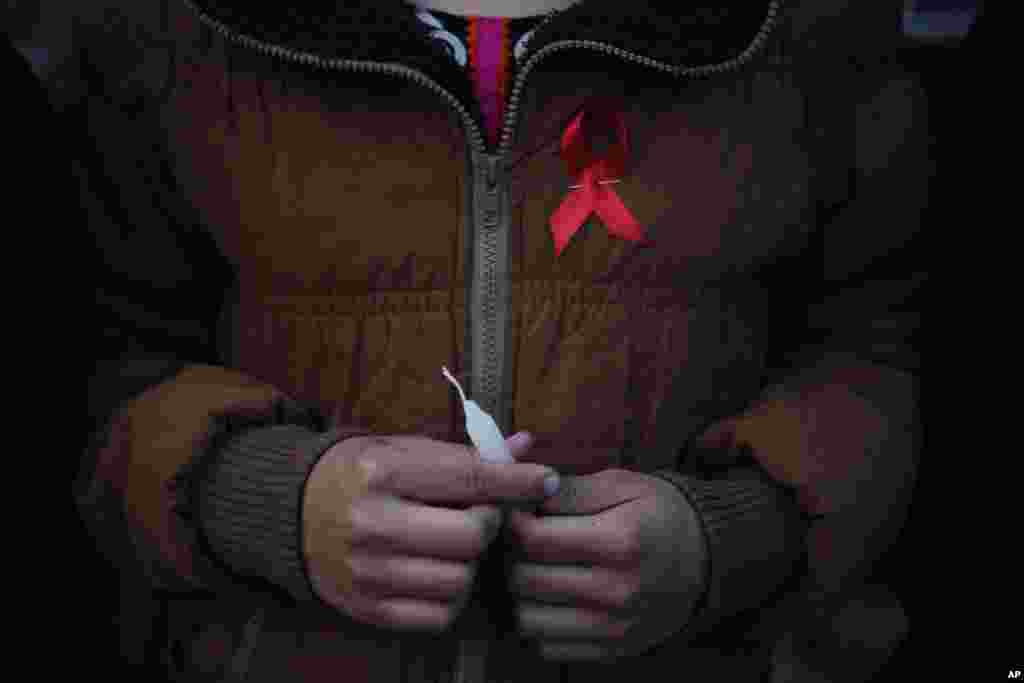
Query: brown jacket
point(301, 225)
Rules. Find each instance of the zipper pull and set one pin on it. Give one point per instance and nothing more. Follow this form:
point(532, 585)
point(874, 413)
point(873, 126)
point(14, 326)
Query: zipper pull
point(489, 200)
point(491, 163)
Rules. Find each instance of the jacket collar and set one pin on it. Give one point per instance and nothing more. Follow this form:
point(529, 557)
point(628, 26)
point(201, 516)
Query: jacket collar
point(679, 34)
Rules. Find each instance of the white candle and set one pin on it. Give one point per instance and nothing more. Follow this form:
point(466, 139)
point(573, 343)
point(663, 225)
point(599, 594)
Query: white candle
point(483, 430)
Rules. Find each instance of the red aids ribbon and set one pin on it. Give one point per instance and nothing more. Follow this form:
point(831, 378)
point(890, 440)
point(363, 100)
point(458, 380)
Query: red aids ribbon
point(592, 191)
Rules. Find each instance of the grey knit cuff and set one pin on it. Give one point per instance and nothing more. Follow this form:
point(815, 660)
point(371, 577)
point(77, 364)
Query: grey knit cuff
point(755, 539)
point(249, 502)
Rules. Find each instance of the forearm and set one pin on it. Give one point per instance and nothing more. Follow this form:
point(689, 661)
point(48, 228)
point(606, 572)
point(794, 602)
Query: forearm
point(843, 434)
point(134, 491)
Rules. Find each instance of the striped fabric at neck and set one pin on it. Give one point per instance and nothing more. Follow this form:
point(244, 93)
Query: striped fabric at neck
point(490, 57)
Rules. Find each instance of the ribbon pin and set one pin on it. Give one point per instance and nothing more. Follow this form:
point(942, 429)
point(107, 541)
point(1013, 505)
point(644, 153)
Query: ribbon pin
point(591, 192)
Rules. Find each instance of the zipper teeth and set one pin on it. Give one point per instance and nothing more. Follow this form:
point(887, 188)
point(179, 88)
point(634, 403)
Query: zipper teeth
point(487, 387)
point(767, 26)
point(475, 134)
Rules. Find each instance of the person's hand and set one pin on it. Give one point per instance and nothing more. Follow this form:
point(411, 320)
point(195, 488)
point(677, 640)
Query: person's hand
point(609, 567)
point(394, 527)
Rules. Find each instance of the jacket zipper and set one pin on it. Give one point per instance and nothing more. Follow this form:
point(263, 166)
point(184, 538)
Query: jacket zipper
point(489, 216)
point(489, 228)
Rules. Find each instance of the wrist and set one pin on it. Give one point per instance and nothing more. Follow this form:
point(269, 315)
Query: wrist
point(249, 503)
point(753, 539)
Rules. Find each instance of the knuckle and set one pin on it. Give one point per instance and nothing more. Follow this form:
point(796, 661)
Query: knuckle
point(526, 540)
point(625, 595)
point(525, 622)
point(479, 544)
point(474, 478)
point(380, 478)
point(366, 452)
point(486, 530)
point(628, 550)
point(465, 576)
point(619, 475)
point(621, 629)
point(380, 616)
point(388, 481)
point(371, 572)
point(611, 481)
point(364, 611)
point(361, 528)
point(365, 461)
point(437, 625)
point(520, 529)
point(456, 587)
point(459, 604)
point(388, 613)
point(357, 568)
point(611, 474)
point(447, 619)
point(608, 479)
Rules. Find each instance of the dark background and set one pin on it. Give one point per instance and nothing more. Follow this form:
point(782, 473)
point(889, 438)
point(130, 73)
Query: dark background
point(55, 307)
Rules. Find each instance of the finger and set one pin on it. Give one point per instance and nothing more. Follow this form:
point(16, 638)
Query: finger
point(566, 584)
point(437, 472)
point(594, 493)
point(588, 539)
point(419, 578)
point(518, 444)
point(570, 652)
point(462, 601)
point(549, 622)
point(400, 613)
point(405, 527)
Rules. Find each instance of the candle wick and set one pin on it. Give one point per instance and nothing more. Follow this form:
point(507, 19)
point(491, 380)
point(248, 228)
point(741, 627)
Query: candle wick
point(448, 376)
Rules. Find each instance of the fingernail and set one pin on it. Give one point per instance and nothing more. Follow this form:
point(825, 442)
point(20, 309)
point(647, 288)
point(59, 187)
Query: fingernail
point(551, 483)
point(519, 440)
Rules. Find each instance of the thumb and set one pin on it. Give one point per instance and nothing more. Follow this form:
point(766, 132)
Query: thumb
point(519, 443)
